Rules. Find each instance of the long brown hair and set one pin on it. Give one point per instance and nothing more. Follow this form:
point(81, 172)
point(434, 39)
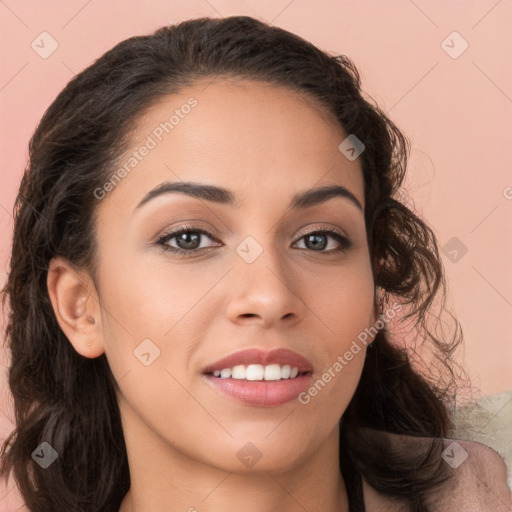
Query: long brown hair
point(69, 401)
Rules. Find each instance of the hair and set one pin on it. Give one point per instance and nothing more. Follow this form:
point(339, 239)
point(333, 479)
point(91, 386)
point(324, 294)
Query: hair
point(69, 400)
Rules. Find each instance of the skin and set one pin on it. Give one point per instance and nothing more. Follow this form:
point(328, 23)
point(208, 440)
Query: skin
point(265, 144)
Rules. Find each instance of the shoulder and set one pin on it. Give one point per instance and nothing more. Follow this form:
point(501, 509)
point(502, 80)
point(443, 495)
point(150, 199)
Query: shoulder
point(478, 481)
point(480, 477)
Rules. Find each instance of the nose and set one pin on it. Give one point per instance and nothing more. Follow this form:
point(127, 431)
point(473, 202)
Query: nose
point(265, 292)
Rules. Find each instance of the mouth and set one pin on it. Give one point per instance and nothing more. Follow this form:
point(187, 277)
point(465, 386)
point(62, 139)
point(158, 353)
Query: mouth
point(258, 378)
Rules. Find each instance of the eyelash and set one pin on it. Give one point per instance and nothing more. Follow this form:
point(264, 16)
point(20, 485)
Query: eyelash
point(344, 242)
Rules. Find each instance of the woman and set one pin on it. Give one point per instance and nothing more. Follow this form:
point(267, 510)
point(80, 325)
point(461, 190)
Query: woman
point(201, 235)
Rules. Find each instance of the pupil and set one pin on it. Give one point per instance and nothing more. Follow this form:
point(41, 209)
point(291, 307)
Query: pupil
point(185, 237)
point(315, 237)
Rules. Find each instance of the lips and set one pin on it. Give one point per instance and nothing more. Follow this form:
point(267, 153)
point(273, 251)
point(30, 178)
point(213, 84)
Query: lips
point(258, 393)
point(281, 356)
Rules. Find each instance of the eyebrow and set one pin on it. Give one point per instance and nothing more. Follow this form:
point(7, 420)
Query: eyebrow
point(223, 196)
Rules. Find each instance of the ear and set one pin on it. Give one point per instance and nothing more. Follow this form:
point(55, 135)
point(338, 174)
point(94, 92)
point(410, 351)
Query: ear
point(377, 305)
point(76, 306)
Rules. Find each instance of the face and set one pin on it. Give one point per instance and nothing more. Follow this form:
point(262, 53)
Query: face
point(257, 272)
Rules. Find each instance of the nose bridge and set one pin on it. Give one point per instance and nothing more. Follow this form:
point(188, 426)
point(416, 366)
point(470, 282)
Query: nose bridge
point(263, 284)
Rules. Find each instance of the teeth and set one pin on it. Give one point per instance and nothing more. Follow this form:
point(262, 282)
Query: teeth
point(286, 371)
point(254, 372)
point(258, 372)
point(238, 372)
point(275, 372)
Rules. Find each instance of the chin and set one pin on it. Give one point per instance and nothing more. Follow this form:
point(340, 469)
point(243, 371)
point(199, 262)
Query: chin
point(257, 453)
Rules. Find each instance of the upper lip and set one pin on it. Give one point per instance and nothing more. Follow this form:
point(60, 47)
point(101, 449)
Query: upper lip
point(280, 356)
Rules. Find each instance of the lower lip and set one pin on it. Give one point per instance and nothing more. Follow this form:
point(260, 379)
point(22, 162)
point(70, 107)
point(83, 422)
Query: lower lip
point(262, 393)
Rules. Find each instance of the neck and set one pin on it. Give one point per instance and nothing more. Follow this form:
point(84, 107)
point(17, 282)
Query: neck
point(164, 479)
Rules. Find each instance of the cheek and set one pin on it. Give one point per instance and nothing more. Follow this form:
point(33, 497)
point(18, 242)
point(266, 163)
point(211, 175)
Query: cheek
point(154, 315)
point(148, 315)
point(342, 300)
point(344, 311)
point(333, 388)
point(149, 297)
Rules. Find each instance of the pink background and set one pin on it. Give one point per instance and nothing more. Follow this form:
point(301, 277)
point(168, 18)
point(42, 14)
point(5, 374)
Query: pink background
point(455, 111)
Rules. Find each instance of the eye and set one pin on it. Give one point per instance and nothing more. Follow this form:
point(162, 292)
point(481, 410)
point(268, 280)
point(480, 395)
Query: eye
point(188, 240)
point(317, 240)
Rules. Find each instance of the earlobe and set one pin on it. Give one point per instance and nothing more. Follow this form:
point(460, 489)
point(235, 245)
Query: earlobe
point(76, 307)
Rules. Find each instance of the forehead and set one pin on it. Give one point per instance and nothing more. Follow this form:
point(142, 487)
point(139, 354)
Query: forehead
point(244, 135)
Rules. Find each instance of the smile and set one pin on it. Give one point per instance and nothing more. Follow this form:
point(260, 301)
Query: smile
point(260, 378)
